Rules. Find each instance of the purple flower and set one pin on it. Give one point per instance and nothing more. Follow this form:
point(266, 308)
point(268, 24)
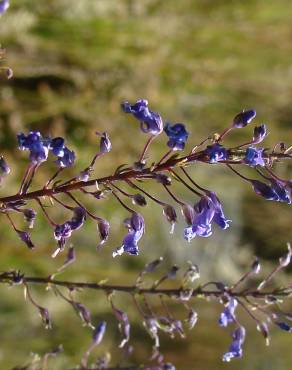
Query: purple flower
point(136, 229)
point(4, 5)
point(177, 134)
point(67, 159)
point(39, 148)
point(254, 157)
point(61, 234)
point(235, 349)
point(216, 152)
point(57, 146)
point(228, 315)
point(243, 118)
point(259, 134)
point(208, 209)
point(151, 122)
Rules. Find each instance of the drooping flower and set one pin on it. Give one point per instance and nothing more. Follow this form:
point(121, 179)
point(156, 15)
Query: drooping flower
point(243, 118)
point(136, 229)
point(151, 122)
point(264, 190)
point(254, 157)
point(208, 209)
point(235, 349)
point(79, 216)
point(259, 134)
point(228, 315)
point(177, 135)
point(216, 152)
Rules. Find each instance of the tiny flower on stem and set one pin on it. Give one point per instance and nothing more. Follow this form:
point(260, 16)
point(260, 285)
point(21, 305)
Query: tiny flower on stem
point(177, 135)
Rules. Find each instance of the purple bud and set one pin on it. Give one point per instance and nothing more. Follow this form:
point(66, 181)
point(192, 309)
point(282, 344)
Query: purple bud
point(83, 312)
point(99, 332)
point(163, 179)
point(103, 227)
point(256, 267)
point(71, 257)
point(285, 261)
point(284, 326)
point(264, 190)
point(24, 236)
point(259, 134)
point(151, 266)
point(4, 168)
point(30, 216)
point(243, 118)
point(139, 200)
point(105, 143)
point(171, 216)
point(189, 214)
point(79, 216)
point(192, 319)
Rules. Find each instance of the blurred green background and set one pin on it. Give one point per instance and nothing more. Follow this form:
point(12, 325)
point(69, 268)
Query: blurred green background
point(197, 62)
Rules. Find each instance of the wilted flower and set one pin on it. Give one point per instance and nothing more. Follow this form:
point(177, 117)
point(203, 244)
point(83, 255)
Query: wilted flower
point(151, 122)
point(177, 135)
point(216, 152)
point(136, 227)
point(243, 118)
point(235, 349)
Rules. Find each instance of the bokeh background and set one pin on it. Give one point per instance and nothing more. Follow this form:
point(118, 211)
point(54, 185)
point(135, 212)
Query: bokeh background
point(197, 61)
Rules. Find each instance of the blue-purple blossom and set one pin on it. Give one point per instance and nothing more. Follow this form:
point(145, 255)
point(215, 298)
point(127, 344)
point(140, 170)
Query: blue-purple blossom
point(136, 229)
point(67, 159)
point(259, 134)
point(39, 148)
point(254, 157)
point(228, 315)
point(216, 152)
point(57, 146)
point(208, 210)
point(151, 122)
point(235, 349)
point(4, 5)
point(177, 135)
point(243, 118)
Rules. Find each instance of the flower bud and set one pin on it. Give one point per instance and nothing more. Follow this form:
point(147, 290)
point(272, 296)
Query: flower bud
point(259, 134)
point(170, 214)
point(189, 214)
point(139, 200)
point(243, 118)
point(103, 227)
point(30, 216)
point(4, 168)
